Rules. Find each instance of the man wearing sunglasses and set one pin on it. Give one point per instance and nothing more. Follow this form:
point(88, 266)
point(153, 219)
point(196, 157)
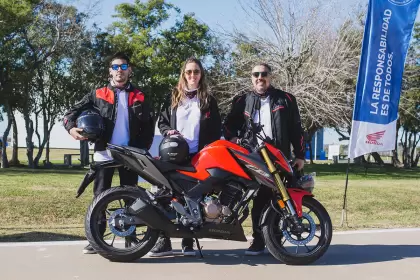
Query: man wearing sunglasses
point(278, 112)
point(128, 121)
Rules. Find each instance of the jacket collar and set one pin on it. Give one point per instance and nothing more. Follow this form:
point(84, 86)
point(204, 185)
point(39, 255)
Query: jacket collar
point(268, 92)
point(128, 87)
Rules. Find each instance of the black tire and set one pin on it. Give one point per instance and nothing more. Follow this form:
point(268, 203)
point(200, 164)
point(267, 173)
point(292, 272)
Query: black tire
point(279, 252)
point(97, 242)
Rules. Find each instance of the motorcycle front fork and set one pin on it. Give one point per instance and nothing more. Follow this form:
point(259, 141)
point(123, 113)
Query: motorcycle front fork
point(285, 202)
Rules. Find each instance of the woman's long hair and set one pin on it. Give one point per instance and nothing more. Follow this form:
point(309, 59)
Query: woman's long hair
point(202, 92)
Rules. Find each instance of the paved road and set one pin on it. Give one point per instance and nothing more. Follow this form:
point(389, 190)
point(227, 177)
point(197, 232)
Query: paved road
point(379, 255)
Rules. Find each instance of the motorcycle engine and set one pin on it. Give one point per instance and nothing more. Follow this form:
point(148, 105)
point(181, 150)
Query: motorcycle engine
point(217, 209)
point(214, 211)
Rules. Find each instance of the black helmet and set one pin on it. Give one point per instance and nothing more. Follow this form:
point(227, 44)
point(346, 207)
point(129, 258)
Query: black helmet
point(92, 124)
point(174, 149)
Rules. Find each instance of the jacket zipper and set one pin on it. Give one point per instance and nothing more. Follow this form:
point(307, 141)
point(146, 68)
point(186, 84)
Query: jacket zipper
point(115, 109)
point(273, 126)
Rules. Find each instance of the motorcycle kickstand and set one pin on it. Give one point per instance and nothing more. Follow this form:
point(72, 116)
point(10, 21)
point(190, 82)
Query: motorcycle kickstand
point(199, 248)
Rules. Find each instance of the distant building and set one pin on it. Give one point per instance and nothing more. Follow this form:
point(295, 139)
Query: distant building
point(317, 145)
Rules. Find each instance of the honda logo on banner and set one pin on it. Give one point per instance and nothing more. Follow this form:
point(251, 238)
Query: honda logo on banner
point(388, 30)
point(374, 137)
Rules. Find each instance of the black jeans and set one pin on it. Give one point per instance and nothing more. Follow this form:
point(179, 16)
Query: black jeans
point(260, 201)
point(103, 181)
point(189, 242)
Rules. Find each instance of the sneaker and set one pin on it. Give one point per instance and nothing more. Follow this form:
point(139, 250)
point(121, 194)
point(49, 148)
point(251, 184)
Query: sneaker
point(162, 248)
point(256, 248)
point(89, 250)
point(188, 247)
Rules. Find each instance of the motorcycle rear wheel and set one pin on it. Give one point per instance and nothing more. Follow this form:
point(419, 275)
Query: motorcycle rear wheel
point(276, 237)
point(94, 217)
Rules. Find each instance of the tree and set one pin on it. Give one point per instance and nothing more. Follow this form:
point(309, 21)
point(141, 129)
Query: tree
point(311, 59)
point(157, 53)
point(409, 109)
point(50, 40)
point(15, 16)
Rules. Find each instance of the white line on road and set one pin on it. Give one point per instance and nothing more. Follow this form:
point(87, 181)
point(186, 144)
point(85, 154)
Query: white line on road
point(178, 240)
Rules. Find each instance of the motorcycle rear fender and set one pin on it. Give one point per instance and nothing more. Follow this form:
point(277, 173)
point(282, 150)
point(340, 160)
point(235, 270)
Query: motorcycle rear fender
point(296, 195)
point(91, 174)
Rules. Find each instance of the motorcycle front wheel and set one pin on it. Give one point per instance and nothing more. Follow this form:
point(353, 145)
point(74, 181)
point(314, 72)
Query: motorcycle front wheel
point(299, 248)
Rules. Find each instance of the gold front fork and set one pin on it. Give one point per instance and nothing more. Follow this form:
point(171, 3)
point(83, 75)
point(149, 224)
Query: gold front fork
point(284, 194)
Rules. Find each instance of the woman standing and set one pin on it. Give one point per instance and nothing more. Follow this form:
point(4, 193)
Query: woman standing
point(193, 113)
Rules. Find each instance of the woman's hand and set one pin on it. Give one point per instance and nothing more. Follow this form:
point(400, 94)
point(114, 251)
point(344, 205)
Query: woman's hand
point(172, 132)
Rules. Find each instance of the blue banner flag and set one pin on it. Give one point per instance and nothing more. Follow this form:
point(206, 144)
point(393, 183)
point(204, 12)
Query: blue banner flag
point(388, 30)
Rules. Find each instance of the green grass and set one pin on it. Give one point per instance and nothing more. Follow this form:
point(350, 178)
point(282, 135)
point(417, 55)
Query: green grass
point(371, 172)
point(41, 204)
point(56, 155)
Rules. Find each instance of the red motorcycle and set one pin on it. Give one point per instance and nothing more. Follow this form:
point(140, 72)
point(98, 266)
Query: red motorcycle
point(207, 199)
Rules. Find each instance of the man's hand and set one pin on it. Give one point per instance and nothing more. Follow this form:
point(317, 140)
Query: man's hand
point(74, 132)
point(172, 132)
point(299, 163)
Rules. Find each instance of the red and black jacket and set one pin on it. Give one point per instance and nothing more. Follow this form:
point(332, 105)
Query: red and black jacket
point(285, 120)
point(105, 100)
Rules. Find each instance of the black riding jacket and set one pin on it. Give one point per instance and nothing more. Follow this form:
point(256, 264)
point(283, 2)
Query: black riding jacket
point(285, 120)
point(210, 123)
point(105, 100)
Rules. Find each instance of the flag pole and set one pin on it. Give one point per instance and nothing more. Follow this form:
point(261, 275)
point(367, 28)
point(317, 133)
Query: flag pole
point(344, 210)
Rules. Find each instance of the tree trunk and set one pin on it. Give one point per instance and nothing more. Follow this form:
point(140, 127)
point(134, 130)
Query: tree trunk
point(4, 162)
point(360, 160)
point(413, 149)
point(377, 158)
point(29, 125)
point(40, 151)
point(15, 160)
point(402, 144)
point(395, 160)
point(406, 152)
point(416, 161)
point(47, 152)
point(46, 139)
point(409, 159)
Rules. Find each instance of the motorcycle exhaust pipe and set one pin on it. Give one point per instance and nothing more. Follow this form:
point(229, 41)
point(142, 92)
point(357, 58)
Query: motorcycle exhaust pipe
point(155, 219)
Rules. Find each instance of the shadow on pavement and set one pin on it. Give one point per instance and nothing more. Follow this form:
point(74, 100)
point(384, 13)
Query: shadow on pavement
point(340, 254)
point(343, 254)
point(35, 236)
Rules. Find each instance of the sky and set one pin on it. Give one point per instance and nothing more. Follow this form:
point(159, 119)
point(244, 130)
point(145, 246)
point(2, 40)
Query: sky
point(219, 15)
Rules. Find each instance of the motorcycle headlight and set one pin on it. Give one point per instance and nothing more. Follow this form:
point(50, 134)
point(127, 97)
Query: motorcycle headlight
point(307, 182)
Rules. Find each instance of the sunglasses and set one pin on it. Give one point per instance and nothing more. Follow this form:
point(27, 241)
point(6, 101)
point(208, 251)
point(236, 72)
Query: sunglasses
point(195, 71)
point(122, 66)
point(257, 74)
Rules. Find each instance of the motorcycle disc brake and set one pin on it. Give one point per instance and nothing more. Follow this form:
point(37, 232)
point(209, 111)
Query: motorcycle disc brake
point(119, 230)
point(308, 239)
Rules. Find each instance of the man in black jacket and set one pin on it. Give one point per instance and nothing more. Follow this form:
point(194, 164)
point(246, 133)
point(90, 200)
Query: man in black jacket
point(278, 112)
point(128, 121)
